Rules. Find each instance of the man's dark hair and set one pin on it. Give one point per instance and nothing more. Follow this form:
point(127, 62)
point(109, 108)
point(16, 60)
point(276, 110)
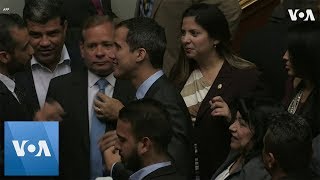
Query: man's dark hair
point(93, 21)
point(41, 11)
point(289, 139)
point(7, 22)
point(149, 118)
point(148, 34)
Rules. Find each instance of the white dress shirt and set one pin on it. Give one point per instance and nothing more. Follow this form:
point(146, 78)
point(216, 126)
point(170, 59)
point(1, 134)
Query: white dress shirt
point(10, 84)
point(43, 75)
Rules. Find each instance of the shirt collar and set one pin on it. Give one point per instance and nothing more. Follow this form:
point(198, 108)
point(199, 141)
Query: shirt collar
point(9, 83)
point(145, 86)
point(93, 78)
point(64, 58)
point(147, 170)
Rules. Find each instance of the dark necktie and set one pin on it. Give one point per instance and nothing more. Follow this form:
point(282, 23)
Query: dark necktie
point(97, 130)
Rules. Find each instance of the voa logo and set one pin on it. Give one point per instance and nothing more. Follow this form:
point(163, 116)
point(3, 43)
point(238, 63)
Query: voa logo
point(306, 15)
point(42, 147)
point(31, 148)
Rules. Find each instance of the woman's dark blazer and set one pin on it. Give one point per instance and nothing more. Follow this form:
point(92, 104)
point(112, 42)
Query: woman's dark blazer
point(211, 133)
point(252, 169)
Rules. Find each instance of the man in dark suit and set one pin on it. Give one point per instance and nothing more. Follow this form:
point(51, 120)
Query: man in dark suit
point(47, 28)
point(144, 131)
point(15, 52)
point(76, 93)
point(140, 46)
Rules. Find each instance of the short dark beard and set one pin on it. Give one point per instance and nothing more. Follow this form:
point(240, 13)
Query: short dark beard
point(133, 162)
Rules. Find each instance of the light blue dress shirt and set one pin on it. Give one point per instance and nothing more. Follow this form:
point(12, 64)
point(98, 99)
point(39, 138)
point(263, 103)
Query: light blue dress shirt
point(145, 86)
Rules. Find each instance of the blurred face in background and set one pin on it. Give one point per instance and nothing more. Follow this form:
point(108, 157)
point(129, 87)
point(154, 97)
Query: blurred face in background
point(288, 64)
point(241, 134)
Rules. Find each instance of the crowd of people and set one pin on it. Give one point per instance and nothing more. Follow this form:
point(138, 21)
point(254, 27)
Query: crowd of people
point(153, 97)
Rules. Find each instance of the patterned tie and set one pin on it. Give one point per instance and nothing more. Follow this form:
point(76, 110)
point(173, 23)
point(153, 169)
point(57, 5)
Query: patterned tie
point(97, 130)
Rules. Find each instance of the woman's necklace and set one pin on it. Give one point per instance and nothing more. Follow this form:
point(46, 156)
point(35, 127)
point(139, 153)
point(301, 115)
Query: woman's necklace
point(295, 102)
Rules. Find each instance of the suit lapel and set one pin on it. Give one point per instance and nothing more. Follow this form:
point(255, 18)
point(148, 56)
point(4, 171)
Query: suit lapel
point(218, 88)
point(80, 110)
point(164, 171)
point(124, 91)
point(155, 86)
point(30, 87)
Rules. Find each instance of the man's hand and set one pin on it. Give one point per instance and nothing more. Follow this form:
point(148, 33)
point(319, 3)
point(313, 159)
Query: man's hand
point(108, 140)
point(111, 156)
point(106, 107)
point(51, 111)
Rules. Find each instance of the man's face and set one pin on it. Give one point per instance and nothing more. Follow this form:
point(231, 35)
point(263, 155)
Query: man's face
point(22, 52)
point(97, 49)
point(47, 40)
point(125, 61)
point(128, 146)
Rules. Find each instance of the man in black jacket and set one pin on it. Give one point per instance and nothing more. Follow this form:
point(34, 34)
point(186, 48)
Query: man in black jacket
point(15, 52)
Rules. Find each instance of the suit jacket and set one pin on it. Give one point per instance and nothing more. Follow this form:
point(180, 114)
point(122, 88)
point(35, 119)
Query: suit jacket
point(180, 146)
point(10, 110)
point(168, 13)
point(25, 79)
point(165, 173)
point(71, 91)
point(211, 134)
point(253, 169)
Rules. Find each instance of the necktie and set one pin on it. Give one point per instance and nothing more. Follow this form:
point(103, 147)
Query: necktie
point(97, 130)
point(98, 6)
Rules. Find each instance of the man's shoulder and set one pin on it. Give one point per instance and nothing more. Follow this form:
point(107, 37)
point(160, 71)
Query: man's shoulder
point(165, 173)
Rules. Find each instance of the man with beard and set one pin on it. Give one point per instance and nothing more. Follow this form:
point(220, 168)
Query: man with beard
point(15, 52)
point(144, 131)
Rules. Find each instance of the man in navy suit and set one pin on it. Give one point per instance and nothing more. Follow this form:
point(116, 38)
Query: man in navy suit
point(140, 45)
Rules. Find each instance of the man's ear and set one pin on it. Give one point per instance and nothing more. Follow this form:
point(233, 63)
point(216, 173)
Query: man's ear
point(4, 57)
point(144, 145)
point(141, 54)
point(270, 160)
